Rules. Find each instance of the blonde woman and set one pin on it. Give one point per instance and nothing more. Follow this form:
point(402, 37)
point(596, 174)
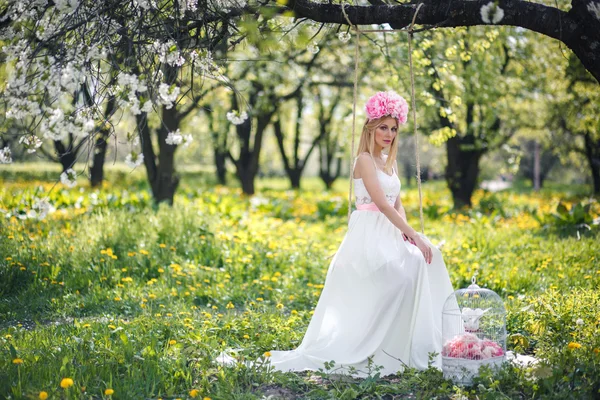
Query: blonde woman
point(382, 300)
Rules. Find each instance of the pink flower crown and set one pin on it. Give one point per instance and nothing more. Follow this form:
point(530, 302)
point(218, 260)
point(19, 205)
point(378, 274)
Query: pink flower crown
point(387, 103)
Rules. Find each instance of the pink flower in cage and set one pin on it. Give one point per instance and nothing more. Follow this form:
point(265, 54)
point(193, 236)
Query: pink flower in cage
point(387, 103)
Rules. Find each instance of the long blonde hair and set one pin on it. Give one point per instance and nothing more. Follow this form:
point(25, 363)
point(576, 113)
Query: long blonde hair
point(367, 142)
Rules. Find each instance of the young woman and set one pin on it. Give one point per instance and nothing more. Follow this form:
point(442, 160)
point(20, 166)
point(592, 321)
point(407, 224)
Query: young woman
point(386, 285)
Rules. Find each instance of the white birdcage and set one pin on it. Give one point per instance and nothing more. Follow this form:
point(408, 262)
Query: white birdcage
point(473, 331)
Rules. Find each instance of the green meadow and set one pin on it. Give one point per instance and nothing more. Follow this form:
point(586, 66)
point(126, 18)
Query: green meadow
point(109, 296)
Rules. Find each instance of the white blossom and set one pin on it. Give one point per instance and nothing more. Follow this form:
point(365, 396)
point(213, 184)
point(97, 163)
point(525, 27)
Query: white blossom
point(144, 4)
point(491, 13)
point(30, 142)
point(313, 48)
point(594, 9)
point(187, 139)
point(5, 156)
point(344, 36)
point(166, 95)
point(235, 118)
point(69, 178)
point(579, 322)
point(174, 138)
point(147, 107)
point(134, 159)
point(41, 208)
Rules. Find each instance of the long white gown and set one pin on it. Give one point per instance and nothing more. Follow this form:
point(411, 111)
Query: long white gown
point(380, 299)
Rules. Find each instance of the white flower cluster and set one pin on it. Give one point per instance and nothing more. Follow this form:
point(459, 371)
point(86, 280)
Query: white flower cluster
point(57, 126)
point(144, 4)
point(40, 209)
point(187, 5)
point(344, 36)
point(168, 53)
point(594, 9)
point(313, 48)
point(236, 118)
point(30, 142)
point(69, 178)
point(134, 159)
point(491, 13)
point(131, 84)
point(204, 61)
point(167, 95)
point(176, 138)
point(5, 156)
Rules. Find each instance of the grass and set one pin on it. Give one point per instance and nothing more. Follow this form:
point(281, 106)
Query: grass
point(114, 294)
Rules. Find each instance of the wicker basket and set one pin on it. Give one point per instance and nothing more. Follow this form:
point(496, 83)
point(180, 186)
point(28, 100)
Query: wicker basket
point(462, 370)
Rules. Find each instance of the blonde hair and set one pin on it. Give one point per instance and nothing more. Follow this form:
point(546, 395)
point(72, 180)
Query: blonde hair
point(367, 142)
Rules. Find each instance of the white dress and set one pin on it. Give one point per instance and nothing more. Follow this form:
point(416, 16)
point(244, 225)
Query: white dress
point(379, 296)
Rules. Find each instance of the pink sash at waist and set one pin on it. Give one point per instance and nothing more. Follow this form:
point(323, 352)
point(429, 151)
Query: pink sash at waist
point(367, 206)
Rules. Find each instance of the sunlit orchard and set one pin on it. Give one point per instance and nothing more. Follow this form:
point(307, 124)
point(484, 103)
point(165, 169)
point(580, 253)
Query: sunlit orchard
point(174, 183)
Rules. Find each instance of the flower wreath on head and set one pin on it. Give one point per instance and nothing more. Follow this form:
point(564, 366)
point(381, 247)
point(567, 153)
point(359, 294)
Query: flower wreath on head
point(387, 103)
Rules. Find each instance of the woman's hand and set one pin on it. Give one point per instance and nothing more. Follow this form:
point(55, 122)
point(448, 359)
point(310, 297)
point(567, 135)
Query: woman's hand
point(425, 249)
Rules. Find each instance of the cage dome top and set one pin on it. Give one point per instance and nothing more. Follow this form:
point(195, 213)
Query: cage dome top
point(474, 300)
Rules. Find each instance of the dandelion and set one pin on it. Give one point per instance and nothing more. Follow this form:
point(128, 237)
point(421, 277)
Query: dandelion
point(574, 345)
point(267, 354)
point(43, 395)
point(66, 383)
point(17, 361)
point(194, 393)
point(69, 178)
point(109, 392)
point(172, 342)
point(134, 160)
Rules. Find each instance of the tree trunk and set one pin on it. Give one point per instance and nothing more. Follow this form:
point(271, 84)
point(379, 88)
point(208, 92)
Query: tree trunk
point(166, 181)
point(592, 152)
point(66, 155)
point(462, 170)
point(537, 184)
point(220, 159)
point(97, 169)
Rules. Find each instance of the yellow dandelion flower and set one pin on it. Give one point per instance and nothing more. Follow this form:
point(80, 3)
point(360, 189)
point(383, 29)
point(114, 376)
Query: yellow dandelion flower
point(18, 361)
point(43, 395)
point(574, 345)
point(206, 398)
point(246, 337)
point(260, 299)
point(280, 306)
point(112, 327)
point(66, 383)
point(230, 305)
point(294, 312)
point(162, 245)
point(194, 393)
point(109, 392)
point(267, 354)
point(172, 342)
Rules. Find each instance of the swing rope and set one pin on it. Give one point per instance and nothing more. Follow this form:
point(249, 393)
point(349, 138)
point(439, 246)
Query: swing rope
point(410, 31)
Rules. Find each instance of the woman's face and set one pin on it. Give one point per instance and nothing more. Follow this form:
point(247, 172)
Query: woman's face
point(386, 132)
